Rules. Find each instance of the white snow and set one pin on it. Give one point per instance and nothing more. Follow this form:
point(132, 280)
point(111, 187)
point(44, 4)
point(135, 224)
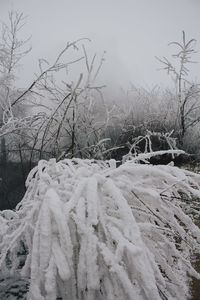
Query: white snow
point(94, 231)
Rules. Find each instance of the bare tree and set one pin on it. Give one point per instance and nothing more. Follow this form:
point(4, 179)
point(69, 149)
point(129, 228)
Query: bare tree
point(187, 92)
point(66, 105)
point(12, 50)
point(61, 110)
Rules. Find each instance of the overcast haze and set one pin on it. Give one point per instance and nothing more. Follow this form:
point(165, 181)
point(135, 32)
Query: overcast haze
point(132, 32)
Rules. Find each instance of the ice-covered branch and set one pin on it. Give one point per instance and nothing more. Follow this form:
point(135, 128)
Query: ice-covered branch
point(93, 231)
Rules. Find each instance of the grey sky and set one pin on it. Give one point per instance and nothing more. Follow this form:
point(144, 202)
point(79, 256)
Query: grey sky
point(132, 32)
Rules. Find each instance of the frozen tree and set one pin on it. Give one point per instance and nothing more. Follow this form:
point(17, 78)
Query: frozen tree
point(61, 100)
point(76, 115)
point(61, 105)
point(89, 230)
point(12, 51)
point(71, 127)
point(187, 92)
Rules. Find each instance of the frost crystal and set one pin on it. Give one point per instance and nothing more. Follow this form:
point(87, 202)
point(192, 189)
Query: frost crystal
point(87, 230)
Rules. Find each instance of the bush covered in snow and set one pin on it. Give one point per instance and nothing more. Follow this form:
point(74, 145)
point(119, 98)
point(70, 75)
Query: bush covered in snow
point(88, 230)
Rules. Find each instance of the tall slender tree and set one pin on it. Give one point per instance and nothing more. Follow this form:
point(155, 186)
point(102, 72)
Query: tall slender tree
point(187, 92)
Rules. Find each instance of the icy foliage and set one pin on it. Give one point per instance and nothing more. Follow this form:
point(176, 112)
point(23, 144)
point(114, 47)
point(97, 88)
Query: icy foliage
point(152, 140)
point(88, 230)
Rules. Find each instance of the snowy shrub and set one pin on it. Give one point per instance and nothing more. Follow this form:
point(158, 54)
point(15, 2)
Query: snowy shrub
point(149, 142)
point(88, 230)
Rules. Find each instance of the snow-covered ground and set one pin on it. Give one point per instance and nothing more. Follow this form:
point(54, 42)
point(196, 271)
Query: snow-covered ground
point(88, 230)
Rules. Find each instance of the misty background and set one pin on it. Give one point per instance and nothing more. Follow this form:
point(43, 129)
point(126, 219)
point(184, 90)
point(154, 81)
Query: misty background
point(131, 32)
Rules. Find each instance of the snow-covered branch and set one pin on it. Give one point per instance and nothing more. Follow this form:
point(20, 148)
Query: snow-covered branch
point(93, 231)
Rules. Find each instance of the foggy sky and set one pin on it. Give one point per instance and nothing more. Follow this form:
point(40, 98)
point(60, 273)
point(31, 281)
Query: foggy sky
point(132, 32)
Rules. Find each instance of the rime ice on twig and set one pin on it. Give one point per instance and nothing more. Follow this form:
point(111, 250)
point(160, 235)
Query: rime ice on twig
point(93, 231)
